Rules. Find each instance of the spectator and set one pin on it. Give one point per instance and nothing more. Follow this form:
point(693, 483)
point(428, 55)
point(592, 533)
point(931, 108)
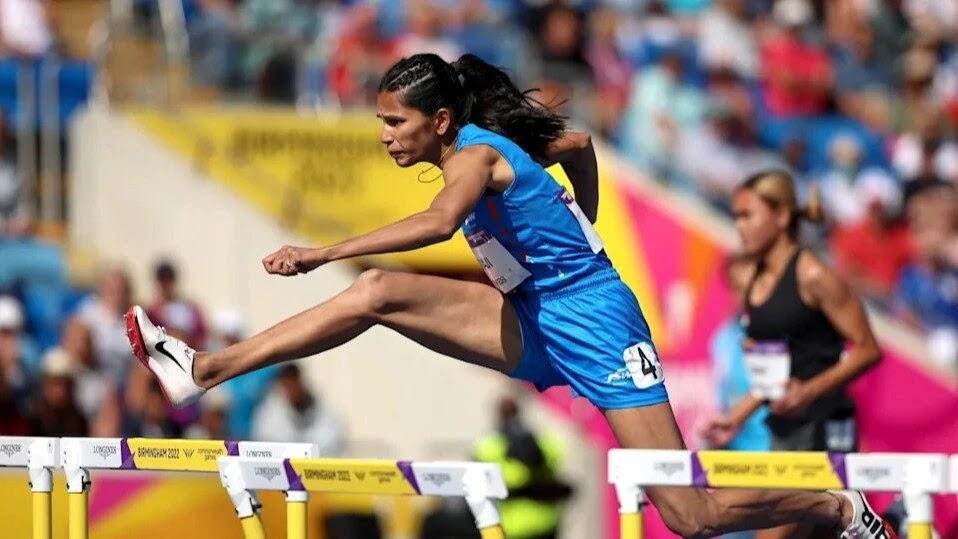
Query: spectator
point(180, 316)
point(726, 41)
point(359, 59)
point(660, 108)
point(214, 43)
point(424, 31)
point(839, 184)
point(797, 72)
point(19, 357)
point(154, 417)
point(872, 252)
point(54, 411)
point(717, 155)
point(863, 77)
point(103, 314)
point(292, 413)
point(96, 394)
point(12, 420)
point(927, 293)
point(214, 410)
point(9, 176)
point(610, 71)
point(246, 392)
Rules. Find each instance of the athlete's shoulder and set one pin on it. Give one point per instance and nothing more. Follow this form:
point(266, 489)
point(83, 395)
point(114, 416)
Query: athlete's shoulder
point(817, 279)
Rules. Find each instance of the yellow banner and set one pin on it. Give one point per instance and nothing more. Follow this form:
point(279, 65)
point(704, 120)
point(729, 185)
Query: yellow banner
point(352, 476)
point(801, 470)
point(182, 455)
point(326, 177)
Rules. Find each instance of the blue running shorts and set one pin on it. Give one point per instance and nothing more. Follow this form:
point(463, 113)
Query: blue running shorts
point(593, 337)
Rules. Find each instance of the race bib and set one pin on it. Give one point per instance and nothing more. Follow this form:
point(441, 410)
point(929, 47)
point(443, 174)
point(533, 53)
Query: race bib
point(643, 365)
point(595, 242)
point(769, 366)
point(500, 266)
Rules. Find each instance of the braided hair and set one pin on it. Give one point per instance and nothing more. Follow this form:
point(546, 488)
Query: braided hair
point(475, 92)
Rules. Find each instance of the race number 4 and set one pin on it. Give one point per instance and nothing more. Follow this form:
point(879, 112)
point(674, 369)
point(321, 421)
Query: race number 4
point(643, 364)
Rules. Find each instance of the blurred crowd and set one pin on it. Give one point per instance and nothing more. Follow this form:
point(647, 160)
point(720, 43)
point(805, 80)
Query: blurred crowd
point(66, 368)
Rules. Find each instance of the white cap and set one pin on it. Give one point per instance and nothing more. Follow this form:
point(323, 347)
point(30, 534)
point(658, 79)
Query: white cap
point(229, 322)
point(792, 12)
point(59, 362)
point(875, 185)
point(11, 314)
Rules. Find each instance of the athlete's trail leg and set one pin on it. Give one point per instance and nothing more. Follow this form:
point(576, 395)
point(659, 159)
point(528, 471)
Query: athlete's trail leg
point(693, 512)
point(470, 321)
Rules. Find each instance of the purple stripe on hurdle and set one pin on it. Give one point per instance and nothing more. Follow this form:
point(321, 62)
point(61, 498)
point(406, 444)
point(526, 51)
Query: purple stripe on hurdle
point(405, 467)
point(838, 465)
point(232, 448)
point(699, 477)
point(292, 476)
point(126, 456)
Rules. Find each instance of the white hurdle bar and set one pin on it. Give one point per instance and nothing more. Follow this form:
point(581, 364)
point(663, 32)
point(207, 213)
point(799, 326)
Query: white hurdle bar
point(480, 484)
point(79, 455)
point(916, 475)
point(39, 456)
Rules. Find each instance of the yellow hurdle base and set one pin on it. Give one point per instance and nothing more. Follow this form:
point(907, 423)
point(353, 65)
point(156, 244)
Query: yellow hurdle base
point(492, 532)
point(41, 515)
point(631, 525)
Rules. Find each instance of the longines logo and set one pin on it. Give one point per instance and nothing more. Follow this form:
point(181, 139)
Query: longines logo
point(874, 474)
point(267, 472)
point(669, 468)
point(104, 451)
point(437, 478)
point(9, 450)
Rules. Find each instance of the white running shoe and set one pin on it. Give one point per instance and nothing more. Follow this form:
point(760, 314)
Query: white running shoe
point(168, 358)
point(866, 523)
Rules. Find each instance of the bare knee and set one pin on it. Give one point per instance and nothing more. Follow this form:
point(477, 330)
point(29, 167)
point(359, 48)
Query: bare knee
point(692, 517)
point(374, 292)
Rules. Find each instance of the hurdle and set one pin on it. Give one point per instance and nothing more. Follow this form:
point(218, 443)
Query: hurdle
point(480, 484)
point(916, 475)
point(78, 456)
point(39, 456)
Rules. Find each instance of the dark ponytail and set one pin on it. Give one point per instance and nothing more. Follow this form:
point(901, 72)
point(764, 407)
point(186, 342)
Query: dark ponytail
point(478, 93)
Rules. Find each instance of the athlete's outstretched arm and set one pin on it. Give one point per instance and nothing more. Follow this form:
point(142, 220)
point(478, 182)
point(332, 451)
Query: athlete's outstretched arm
point(467, 173)
point(574, 151)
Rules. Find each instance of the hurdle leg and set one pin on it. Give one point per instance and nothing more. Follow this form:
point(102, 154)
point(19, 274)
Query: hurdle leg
point(631, 502)
point(483, 506)
point(245, 501)
point(918, 505)
point(43, 455)
point(42, 522)
point(296, 520)
point(78, 493)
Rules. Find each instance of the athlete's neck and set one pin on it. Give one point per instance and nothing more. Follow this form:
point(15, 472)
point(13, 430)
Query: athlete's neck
point(447, 145)
point(779, 255)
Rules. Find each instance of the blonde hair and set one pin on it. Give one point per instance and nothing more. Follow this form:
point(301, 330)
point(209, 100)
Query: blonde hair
point(777, 189)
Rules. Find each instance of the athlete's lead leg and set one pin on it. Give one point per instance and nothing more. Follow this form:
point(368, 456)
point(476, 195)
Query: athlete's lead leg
point(469, 321)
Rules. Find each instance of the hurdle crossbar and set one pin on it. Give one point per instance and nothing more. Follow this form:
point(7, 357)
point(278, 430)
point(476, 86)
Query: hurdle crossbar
point(916, 475)
point(79, 455)
point(39, 456)
point(480, 484)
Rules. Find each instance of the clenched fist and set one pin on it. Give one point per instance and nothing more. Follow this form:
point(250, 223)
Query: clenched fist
point(289, 260)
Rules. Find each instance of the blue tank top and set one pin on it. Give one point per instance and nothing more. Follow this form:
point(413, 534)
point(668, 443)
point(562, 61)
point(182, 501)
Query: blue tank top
point(532, 236)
